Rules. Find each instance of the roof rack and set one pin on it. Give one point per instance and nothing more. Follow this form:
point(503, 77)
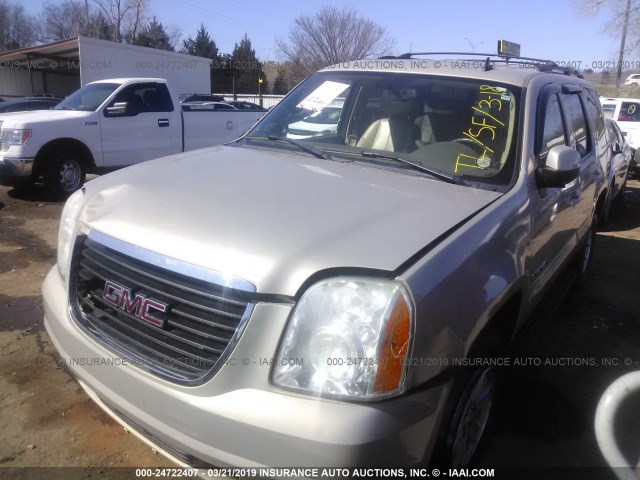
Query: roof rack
point(492, 58)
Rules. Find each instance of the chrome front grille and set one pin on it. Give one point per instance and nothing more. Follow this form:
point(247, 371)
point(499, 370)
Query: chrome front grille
point(162, 315)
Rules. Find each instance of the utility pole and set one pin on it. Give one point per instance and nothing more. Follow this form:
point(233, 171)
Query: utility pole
point(622, 41)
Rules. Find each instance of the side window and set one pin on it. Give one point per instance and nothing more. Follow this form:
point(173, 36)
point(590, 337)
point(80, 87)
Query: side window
point(145, 97)
point(595, 113)
point(156, 98)
point(129, 96)
point(578, 123)
point(596, 116)
point(553, 131)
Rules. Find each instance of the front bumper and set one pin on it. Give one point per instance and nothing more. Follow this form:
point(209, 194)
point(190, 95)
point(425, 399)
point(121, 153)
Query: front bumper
point(237, 418)
point(14, 171)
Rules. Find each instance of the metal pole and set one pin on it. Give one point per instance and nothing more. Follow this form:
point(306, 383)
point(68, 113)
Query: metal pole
point(622, 41)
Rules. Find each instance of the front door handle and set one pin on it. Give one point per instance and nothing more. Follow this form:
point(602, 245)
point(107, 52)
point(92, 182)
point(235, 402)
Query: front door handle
point(163, 122)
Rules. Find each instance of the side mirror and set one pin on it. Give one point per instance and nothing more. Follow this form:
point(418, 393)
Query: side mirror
point(561, 168)
point(118, 109)
point(616, 148)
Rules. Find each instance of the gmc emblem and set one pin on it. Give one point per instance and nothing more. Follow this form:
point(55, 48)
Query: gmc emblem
point(137, 305)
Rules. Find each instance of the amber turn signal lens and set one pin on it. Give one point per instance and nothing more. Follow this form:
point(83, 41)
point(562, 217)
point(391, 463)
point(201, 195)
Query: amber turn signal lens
point(394, 348)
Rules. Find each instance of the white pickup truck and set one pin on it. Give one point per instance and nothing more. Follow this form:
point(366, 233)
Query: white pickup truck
point(107, 125)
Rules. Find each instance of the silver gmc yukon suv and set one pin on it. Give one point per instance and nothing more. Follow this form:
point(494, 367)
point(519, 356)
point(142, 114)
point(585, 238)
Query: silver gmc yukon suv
point(333, 296)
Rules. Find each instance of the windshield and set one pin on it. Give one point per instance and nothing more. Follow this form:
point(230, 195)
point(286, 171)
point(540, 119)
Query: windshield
point(457, 126)
point(88, 98)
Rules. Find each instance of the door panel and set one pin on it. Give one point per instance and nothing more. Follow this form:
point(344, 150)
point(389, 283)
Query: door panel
point(553, 209)
point(145, 129)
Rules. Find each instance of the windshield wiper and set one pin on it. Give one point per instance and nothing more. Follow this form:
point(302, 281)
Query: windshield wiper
point(445, 177)
point(305, 148)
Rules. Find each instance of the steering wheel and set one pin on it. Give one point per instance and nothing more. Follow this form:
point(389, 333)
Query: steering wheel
point(484, 161)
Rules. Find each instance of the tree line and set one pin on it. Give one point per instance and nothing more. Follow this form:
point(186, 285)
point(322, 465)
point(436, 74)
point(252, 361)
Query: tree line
point(314, 41)
point(123, 21)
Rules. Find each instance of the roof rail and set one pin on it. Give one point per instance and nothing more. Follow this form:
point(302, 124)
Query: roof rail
point(492, 58)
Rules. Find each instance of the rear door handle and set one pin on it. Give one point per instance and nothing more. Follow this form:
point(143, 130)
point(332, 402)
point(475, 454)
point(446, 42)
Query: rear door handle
point(163, 122)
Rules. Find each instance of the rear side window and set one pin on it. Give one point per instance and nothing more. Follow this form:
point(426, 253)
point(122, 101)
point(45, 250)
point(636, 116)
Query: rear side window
point(578, 123)
point(553, 127)
point(629, 112)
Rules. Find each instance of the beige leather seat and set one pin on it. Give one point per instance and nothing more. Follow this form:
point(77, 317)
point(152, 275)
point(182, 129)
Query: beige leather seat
point(397, 132)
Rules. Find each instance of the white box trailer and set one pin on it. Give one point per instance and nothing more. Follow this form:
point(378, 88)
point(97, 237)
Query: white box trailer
point(62, 67)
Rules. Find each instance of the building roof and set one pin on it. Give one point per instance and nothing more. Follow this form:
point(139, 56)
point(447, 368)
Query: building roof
point(60, 56)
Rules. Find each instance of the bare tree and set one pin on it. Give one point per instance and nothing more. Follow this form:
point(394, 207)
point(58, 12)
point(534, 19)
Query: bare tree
point(64, 20)
point(125, 16)
point(332, 36)
point(624, 14)
point(17, 29)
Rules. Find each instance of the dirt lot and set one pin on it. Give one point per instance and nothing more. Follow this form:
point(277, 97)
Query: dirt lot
point(543, 417)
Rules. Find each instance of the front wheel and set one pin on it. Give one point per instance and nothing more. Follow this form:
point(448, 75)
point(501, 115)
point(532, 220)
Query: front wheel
point(468, 412)
point(64, 175)
point(470, 417)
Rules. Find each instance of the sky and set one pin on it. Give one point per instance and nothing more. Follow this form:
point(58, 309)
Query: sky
point(549, 29)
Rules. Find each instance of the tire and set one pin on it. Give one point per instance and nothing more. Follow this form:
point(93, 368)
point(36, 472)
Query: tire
point(468, 413)
point(582, 262)
point(471, 416)
point(65, 174)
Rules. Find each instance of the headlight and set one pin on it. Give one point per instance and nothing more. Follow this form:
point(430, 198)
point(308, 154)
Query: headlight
point(348, 337)
point(67, 231)
point(14, 136)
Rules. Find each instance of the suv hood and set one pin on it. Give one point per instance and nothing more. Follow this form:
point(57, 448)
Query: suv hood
point(275, 218)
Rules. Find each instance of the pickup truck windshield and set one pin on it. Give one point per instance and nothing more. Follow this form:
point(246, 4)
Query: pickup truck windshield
point(457, 126)
point(88, 98)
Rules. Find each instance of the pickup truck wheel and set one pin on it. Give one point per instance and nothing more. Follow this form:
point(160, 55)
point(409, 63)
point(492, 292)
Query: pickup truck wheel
point(64, 175)
point(583, 260)
point(470, 417)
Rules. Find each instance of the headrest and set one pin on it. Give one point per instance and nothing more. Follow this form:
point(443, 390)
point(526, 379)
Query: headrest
point(397, 101)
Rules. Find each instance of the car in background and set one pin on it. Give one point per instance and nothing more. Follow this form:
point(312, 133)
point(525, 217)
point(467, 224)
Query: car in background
point(200, 97)
point(633, 80)
point(626, 113)
point(318, 123)
point(27, 104)
point(622, 155)
point(242, 105)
